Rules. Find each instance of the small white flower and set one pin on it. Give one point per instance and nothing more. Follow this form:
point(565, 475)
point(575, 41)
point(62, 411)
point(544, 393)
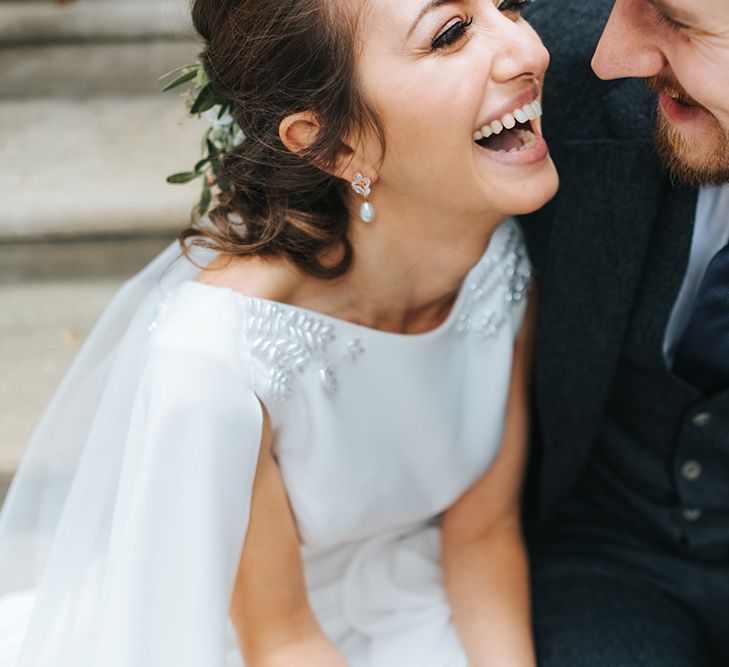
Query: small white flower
point(224, 122)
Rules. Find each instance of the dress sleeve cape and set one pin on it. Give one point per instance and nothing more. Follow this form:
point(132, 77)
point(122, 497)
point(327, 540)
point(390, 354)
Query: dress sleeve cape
point(122, 531)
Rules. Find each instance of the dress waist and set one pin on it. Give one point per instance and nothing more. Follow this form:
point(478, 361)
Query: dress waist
point(385, 593)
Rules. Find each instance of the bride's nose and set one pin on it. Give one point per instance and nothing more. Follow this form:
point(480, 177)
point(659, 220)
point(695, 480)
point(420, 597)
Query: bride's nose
point(519, 52)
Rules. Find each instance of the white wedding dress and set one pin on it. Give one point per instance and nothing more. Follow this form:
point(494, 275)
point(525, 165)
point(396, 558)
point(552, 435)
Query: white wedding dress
point(121, 535)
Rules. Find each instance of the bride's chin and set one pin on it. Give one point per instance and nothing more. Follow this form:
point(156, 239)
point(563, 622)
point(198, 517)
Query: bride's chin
point(525, 192)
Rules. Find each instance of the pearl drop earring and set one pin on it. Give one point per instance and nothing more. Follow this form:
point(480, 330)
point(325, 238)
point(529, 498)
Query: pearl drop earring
point(363, 187)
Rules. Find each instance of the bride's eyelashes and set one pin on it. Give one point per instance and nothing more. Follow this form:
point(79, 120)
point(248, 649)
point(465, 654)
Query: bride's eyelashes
point(516, 6)
point(456, 29)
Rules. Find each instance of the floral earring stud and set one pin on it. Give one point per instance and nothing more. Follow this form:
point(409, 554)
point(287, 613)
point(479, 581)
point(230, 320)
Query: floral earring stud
point(363, 187)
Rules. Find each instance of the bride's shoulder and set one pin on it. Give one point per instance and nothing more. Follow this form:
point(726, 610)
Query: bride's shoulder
point(195, 318)
point(207, 314)
point(194, 354)
point(261, 277)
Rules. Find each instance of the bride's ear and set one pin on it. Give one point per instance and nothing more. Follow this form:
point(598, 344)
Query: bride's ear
point(299, 131)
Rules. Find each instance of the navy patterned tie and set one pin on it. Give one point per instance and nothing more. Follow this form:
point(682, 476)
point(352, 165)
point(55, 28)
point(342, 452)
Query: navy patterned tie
point(702, 357)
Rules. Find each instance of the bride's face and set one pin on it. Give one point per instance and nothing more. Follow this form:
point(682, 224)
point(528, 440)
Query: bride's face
point(437, 72)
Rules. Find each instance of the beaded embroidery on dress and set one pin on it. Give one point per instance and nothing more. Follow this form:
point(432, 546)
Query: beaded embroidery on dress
point(287, 342)
point(148, 473)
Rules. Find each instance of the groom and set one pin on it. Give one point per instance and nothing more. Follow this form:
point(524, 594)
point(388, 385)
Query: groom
point(629, 485)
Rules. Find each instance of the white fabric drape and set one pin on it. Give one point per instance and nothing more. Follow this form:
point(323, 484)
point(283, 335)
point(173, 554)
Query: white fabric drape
point(122, 532)
point(127, 492)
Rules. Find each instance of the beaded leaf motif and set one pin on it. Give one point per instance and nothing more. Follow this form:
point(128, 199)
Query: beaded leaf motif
point(507, 270)
point(288, 341)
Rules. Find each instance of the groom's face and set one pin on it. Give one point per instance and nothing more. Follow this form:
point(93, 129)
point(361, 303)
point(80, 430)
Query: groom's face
point(682, 48)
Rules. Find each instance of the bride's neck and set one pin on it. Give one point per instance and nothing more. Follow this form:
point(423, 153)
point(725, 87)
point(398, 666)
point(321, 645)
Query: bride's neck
point(408, 268)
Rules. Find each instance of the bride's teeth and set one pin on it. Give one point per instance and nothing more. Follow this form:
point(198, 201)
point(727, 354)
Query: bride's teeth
point(509, 121)
point(528, 138)
point(521, 116)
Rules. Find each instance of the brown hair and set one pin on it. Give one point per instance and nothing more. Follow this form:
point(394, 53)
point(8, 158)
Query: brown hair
point(274, 58)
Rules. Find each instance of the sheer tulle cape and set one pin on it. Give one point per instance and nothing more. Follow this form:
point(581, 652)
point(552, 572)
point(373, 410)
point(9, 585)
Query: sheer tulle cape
point(110, 517)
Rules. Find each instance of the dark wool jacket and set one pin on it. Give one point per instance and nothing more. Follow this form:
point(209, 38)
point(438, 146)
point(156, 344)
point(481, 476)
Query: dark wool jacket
point(589, 245)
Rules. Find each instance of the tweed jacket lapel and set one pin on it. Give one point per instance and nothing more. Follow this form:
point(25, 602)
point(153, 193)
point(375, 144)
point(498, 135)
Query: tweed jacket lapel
point(599, 238)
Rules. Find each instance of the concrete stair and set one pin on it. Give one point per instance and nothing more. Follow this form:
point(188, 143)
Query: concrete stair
point(86, 137)
point(31, 21)
point(86, 142)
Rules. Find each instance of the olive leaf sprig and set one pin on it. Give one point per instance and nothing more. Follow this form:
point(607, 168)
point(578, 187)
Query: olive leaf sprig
point(223, 135)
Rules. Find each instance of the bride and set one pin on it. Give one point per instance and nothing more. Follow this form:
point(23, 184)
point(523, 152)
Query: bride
point(302, 441)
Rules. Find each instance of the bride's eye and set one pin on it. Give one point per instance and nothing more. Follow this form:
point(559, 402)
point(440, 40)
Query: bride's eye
point(515, 6)
point(453, 32)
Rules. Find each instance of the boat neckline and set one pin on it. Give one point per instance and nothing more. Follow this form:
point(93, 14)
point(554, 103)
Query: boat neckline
point(445, 325)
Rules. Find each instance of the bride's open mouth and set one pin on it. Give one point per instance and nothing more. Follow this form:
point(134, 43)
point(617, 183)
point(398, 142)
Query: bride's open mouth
point(513, 138)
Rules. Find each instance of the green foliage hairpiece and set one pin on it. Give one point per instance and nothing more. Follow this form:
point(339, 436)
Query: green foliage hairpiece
point(222, 136)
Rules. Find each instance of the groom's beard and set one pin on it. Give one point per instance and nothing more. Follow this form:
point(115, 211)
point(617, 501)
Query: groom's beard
point(690, 163)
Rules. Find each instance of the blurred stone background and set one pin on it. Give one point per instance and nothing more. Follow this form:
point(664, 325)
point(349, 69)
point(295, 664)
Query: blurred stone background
point(86, 142)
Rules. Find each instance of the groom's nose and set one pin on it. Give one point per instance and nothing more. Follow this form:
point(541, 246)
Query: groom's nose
point(629, 46)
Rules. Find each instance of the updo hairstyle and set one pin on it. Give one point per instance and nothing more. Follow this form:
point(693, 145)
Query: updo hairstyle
point(271, 59)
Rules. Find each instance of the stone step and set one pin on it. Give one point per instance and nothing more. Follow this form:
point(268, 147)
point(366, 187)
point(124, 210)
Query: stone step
point(23, 22)
point(83, 123)
point(95, 167)
point(81, 70)
point(5, 479)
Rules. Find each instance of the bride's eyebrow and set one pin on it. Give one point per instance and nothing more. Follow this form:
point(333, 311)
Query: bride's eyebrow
point(429, 7)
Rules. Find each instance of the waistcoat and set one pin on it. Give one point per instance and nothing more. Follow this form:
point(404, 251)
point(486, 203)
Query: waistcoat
point(660, 463)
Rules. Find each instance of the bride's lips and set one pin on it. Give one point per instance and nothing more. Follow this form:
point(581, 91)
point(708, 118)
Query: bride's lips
point(537, 152)
point(533, 155)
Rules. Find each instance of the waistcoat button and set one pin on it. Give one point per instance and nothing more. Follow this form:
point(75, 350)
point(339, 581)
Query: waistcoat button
point(702, 419)
point(691, 470)
point(692, 514)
